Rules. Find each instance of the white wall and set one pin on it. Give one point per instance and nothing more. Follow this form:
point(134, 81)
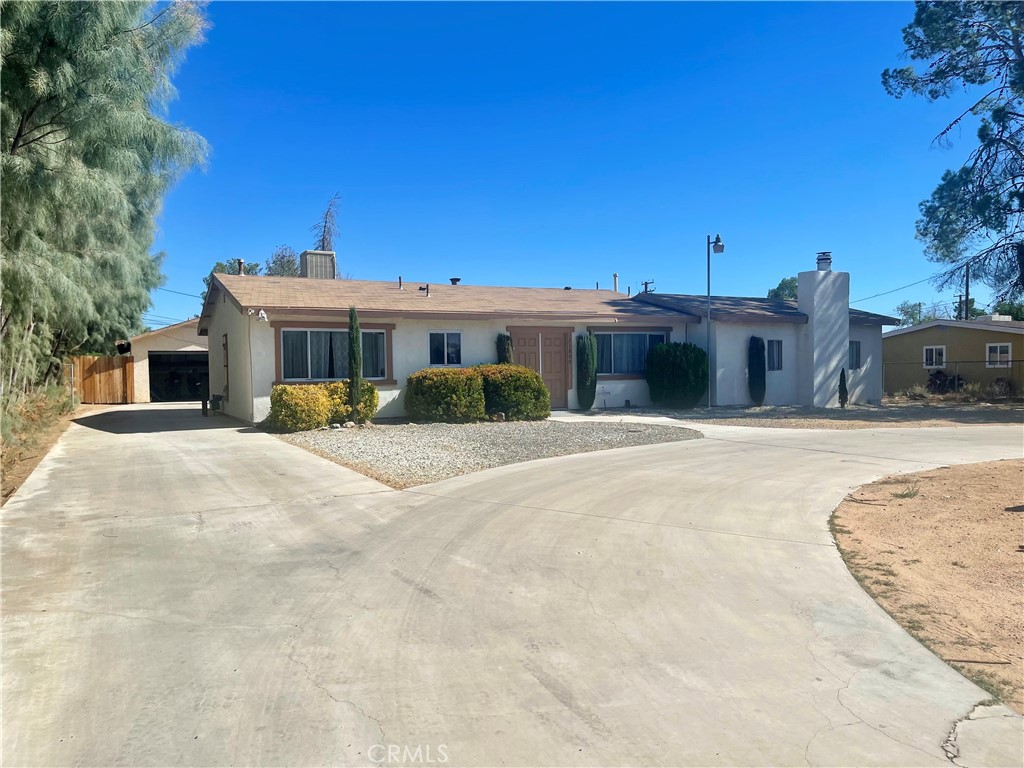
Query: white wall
point(866, 385)
point(825, 298)
point(730, 381)
point(238, 393)
point(184, 338)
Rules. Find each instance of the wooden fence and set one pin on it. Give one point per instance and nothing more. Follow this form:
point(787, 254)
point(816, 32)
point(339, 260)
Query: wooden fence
point(102, 379)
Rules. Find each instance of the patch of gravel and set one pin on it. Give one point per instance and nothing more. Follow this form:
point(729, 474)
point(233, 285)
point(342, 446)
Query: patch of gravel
point(404, 455)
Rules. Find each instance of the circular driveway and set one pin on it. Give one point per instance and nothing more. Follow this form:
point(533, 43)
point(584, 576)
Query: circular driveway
point(180, 591)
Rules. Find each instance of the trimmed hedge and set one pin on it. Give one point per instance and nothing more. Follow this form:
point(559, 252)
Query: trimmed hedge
point(445, 394)
point(516, 391)
point(301, 407)
point(341, 409)
point(298, 407)
point(504, 344)
point(677, 374)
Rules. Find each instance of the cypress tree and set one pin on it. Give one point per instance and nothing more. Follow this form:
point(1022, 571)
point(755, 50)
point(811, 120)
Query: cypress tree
point(586, 370)
point(756, 370)
point(844, 395)
point(355, 361)
point(504, 344)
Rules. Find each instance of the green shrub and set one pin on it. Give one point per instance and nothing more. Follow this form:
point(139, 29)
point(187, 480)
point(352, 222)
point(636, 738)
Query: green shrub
point(505, 353)
point(677, 374)
point(338, 393)
point(756, 370)
point(844, 393)
point(299, 407)
point(516, 391)
point(586, 370)
point(445, 394)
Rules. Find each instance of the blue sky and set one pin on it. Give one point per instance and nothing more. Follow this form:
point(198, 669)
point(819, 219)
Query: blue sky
point(555, 144)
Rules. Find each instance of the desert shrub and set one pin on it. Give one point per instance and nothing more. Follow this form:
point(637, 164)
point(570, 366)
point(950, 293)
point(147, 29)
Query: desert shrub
point(844, 393)
point(756, 370)
point(972, 391)
point(504, 344)
point(299, 407)
point(677, 374)
point(939, 382)
point(1000, 387)
point(916, 392)
point(445, 394)
point(339, 394)
point(586, 370)
point(516, 391)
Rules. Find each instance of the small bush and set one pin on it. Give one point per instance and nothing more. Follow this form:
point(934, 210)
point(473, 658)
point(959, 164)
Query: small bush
point(516, 391)
point(844, 393)
point(445, 394)
point(972, 391)
point(338, 393)
point(916, 392)
point(756, 380)
point(677, 374)
point(1001, 387)
point(299, 407)
point(939, 383)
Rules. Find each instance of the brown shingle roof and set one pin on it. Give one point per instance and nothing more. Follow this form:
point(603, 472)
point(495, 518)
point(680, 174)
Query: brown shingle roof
point(374, 297)
point(739, 309)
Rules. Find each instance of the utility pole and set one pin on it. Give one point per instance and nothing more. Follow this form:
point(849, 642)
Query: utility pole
point(967, 291)
point(959, 306)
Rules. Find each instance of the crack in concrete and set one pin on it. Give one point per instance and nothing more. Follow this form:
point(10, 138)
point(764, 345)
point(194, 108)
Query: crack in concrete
point(950, 746)
point(305, 667)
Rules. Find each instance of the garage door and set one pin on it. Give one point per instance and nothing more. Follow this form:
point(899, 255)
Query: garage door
point(178, 376)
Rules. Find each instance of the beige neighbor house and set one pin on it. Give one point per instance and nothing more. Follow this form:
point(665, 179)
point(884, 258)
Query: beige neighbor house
point(171, 364)
point(980, 350)
point(278, 330)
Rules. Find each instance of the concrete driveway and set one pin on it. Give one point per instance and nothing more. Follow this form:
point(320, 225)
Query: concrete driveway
point(180, 591)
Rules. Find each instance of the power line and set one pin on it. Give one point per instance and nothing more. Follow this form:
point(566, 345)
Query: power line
point(180, 293)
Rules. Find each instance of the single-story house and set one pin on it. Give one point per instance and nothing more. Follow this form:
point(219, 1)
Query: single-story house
point(171, 364)
point(980, 350)
point(278, 330)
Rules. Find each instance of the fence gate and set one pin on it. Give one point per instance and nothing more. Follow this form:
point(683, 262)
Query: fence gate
point(104, 379)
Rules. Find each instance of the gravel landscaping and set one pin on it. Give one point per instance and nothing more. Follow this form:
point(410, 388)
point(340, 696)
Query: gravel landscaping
point(404, 455)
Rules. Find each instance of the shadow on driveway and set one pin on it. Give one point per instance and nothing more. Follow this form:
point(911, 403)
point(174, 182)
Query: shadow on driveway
point(142, 420)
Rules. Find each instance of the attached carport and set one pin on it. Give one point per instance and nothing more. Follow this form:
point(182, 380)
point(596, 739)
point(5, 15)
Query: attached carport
point(171, 364)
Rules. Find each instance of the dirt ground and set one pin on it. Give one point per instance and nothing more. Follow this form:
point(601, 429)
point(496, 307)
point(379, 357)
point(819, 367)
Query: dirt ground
point(896, 413)
point(17, 465)
point(942, 552)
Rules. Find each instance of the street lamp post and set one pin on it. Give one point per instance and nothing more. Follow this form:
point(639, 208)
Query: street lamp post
point(719, 247)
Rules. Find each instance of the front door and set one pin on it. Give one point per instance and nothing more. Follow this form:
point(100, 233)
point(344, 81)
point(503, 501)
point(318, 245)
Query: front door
point(546, 350)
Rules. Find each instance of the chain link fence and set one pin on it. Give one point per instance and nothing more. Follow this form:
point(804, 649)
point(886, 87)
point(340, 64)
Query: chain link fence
point(975, 377)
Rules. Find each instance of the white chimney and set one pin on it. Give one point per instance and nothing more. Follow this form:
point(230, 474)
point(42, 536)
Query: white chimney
point(319, 265)
point(825, 261)
point(615, 282)
point(824, 296)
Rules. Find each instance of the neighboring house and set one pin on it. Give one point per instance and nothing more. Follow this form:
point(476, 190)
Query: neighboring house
point(980, 350)
point(171, 364)
point(270, 330)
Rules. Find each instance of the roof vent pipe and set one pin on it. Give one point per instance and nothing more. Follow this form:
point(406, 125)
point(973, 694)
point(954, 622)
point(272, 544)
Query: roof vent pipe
point(428, 290)
point(824, 261)
point(241, 266)
point(597, 286)
point(615, 282)
point(400, 283)
point(455, 280)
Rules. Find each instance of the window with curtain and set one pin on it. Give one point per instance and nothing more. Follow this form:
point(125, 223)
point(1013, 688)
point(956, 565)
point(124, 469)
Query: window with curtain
point(323, 355)
point(997, 355)
point(625, 353)
point(774, 354)
point(854, 362)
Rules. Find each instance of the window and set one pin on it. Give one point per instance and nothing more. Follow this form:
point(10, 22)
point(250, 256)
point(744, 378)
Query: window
point(934, 357)
point(445, 348)
point(774, 354)
point(854, 355)
point(997, 355)
point(625, 353)
point(323, 355)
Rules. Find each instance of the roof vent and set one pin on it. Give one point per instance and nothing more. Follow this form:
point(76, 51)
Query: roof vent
point(455, 280)
point(319, 265)
point(824, 261)
point(568, 288)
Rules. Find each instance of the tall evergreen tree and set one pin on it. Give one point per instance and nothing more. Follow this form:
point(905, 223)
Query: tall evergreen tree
point(86, 155)
point(355, 361)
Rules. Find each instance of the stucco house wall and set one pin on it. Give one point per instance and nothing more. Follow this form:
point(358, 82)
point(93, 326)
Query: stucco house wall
point(183, 337)
point(865, 384)
point(965, 347)
point(731, 379)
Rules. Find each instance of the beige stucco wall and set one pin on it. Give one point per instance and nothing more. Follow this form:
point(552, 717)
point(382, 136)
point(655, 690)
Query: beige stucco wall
point(903, 355)
point(176, 338)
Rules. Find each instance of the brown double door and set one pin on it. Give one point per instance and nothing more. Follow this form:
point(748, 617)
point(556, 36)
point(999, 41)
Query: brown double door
point(546, 350)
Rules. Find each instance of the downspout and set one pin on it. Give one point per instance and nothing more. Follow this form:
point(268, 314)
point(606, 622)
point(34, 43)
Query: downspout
point(252, 392)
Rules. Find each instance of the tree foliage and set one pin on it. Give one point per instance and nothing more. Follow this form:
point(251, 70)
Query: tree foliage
point(976, 213)
point(283, 262)
point(756, 370)
point(786, 289)
point(1015, 309)
point(586, 370)
point(326, 228)
point(86, 155)
point(915, 313)
point(355, 359)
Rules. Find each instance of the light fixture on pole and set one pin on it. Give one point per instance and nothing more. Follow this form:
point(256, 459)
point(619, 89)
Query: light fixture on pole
point(719, 247)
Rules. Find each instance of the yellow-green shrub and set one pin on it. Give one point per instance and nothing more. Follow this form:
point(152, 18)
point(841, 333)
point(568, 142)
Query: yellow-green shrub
point(299, 407)
point(516, 391)
point(445, 394)
point(341, 411)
